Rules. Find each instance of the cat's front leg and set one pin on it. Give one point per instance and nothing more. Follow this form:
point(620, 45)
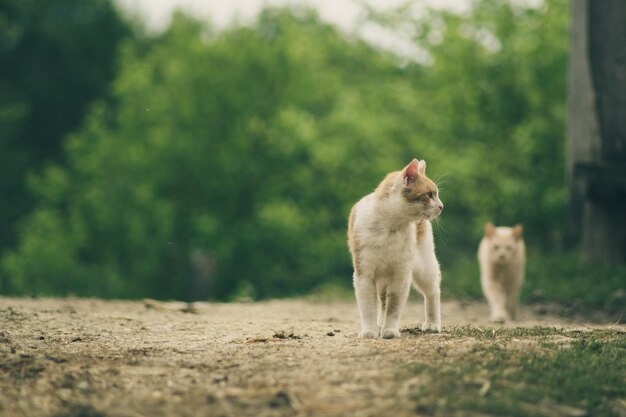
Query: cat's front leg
point(381, 291)
point(432, 305)
point(512, 303)
point(428, 282)
point(491, 296)
point(497, 300)
point(395, 299)
point(512, 307)
point(365, 292)
point(512, 300)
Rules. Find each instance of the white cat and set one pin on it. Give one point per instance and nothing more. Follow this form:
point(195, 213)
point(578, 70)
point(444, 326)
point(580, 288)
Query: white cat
point(391, 241)
point(502, 260)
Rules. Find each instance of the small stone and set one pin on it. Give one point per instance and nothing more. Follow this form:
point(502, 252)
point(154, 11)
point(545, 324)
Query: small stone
point(281, 399)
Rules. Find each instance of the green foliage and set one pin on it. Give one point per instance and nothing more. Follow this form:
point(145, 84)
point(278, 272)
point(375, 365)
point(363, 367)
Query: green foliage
point(236, 146)
point(558, 373)
point(252, 144)
point(56, 57)
point(496, 98)
point(330, 292)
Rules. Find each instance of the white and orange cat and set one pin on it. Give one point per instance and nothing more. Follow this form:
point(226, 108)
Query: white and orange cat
point(502, 260)
point(391, 241)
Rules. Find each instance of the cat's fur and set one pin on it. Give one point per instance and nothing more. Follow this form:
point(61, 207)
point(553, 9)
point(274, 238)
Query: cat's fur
point(391, 241)
point(502, 260)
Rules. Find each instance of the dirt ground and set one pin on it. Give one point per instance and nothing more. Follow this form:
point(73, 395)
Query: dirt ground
point(94, 358)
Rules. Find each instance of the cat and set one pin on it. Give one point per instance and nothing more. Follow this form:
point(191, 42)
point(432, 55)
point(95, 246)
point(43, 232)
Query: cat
point(391, 241)
point(502, 260)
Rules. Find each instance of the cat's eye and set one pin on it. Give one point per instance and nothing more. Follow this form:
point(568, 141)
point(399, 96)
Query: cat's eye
point(430, 195)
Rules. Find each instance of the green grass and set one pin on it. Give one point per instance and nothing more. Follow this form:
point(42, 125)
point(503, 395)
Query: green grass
point(502, 334)
point(553, 372)
point(559, 277)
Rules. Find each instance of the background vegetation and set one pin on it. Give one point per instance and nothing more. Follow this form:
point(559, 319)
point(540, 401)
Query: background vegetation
point(250, 145)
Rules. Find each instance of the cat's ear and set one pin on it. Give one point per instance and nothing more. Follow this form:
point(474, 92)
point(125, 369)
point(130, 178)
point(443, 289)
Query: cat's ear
point(490, 229)
point(421, 167)
point(517, 231)
point(410, 172)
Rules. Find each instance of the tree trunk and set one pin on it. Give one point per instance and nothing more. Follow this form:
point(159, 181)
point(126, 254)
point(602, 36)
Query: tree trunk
point(597, 129)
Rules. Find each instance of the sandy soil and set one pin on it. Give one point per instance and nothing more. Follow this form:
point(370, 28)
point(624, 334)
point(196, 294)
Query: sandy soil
point(88, 358)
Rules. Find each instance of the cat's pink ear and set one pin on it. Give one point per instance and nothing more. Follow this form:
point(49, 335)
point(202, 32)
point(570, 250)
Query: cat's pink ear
point(410, 172)
point(421, 167)
point(489, 229)
point(517, 231)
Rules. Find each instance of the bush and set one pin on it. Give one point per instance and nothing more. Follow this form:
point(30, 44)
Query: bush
point(251, 145)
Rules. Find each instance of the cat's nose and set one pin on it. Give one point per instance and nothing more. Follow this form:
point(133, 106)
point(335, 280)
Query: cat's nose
point(440, 206)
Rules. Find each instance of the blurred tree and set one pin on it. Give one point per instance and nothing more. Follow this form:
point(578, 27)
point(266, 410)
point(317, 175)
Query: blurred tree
point(251, 145)
point(56, 56)
point(597, 130)
point(491, 102)
point(239, 146)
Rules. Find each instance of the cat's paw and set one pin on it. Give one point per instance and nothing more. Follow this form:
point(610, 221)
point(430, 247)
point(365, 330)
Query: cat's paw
point(430, 326)
point(368, 334)
point(390, 333)
point(498, 319)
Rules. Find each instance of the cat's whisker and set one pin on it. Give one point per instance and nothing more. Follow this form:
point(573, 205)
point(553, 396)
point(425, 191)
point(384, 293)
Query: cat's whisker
point(441, 180)
point(440, 229)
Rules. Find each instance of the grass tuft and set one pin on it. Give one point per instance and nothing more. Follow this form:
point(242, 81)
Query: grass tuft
point(554, 372)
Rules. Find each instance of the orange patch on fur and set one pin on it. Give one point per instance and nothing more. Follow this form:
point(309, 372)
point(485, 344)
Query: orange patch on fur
point(382, 297)
point(419, 190)
point(490, 229)
point(421, 230)
point(384, 188)
point(353, 243)
point(393, 302)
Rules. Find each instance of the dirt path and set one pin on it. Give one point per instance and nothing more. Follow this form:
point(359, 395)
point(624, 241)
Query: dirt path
point(87, 358)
